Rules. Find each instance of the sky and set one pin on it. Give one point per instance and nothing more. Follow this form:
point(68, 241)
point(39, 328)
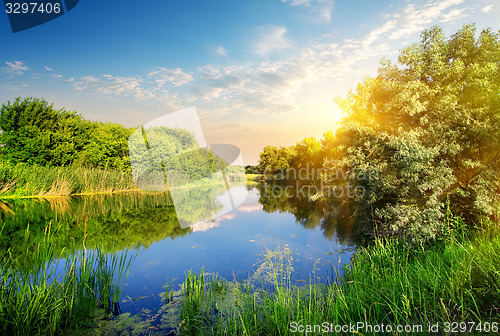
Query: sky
point(259, 72)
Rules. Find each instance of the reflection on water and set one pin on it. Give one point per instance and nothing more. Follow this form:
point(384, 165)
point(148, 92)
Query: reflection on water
point(318, 235)
point(113, 222)
point(333, 220)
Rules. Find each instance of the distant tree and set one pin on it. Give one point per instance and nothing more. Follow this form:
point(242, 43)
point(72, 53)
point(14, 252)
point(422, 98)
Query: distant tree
point(430, 128)
point(306, 153)
point(273, 159)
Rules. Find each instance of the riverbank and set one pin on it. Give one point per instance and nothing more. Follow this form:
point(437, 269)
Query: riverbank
point(40, 297)
point(454, 279)
point(24, 181)
point(452, 285)
point(34, 181)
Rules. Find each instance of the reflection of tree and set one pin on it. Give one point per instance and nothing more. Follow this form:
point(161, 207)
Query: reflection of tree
point(197, 203)
point(338, 221)
point(286, 198)
point(113, 222)
point(334, 220)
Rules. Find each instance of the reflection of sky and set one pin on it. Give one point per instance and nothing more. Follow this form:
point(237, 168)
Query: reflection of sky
point(232, 197)
point(251, 203)
point(204, 226)
point(230, 246)
point(238, 193)
point(227, 199)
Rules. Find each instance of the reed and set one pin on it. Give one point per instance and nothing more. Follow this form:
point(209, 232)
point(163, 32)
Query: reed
point(21, 180)
point(455, 279)
point(38, 296)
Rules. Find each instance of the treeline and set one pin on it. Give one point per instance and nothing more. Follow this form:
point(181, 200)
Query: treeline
point(304, 154)
point(81, 156)
point(424, 135)
point(34, 132)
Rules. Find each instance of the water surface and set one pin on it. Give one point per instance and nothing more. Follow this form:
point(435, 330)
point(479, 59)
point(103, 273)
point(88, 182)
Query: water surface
point(231, 245)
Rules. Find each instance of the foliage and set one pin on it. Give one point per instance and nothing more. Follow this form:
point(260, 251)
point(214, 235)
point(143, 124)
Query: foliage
point(430, 128)
point(302, 161)
point(34, 132)
point(36, 299)
point(273, 159)
point(163, 155)
point(306, 154)
point(251, 169)
point(25, 180)
point(107, 146)
point(387, 283)
point(96, 156)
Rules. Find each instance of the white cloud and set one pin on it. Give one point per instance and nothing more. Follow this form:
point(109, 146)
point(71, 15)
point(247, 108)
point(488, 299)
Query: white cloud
point(176, 77)
point(454, 15)
point(414, 19)
point(114, 85)
point(273, 88)
point(487, 9)
point(48, 69)
point(325, 10)
point(278, 87)
point(271, 39)
point(375, 34)
point(14, 68)
point(221, 51)
point(318, 10)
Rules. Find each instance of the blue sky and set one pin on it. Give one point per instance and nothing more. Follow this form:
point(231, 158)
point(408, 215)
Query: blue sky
point(259, 72)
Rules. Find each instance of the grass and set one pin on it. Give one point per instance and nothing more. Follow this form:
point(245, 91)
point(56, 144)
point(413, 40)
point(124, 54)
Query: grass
point(456, 279)
point(22, 180)
point(37, 298)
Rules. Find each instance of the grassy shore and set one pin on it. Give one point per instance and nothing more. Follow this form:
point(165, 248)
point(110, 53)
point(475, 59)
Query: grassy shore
point(21, 180)
point(456, 279)
point(39, 298)
point(26, 181)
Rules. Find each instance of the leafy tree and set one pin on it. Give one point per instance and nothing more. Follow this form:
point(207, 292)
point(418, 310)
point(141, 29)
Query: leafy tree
point(36, 133)
point(306, 154)
point(107, 146)
point(430, 127)
point(273, 159)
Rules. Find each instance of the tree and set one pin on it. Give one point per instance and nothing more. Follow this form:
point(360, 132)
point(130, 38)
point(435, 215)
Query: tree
point(306, 154)
point(36, 133)
point(106, 146)
point(273, 159)
point(430, 127)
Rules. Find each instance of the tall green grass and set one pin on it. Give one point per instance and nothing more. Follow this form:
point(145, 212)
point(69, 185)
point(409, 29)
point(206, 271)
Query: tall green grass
point(37, 297)
point(456, 279)
point(22, 180)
